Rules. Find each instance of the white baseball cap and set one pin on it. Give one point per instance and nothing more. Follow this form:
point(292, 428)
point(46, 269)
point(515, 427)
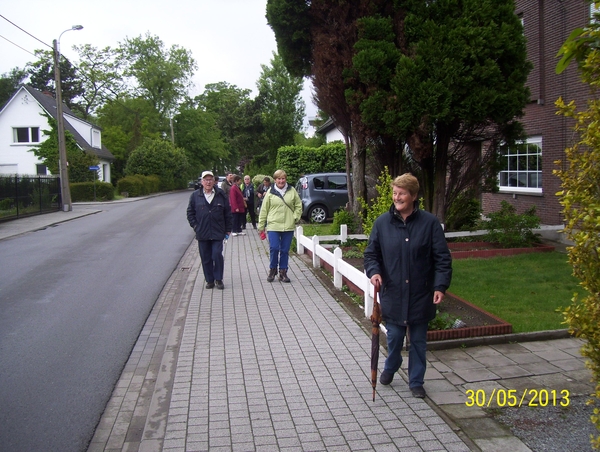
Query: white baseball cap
point(207, 173)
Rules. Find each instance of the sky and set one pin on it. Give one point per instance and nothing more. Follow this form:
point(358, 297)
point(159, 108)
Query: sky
point(229, 39)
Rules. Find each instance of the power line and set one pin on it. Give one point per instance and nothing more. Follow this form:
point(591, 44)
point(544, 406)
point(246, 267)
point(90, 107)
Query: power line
point(24, 31)
point(17, 45)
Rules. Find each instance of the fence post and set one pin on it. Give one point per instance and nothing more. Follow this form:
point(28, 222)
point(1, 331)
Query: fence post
point(299, 246)
point(369, 300)
point(316, 260)
point(17, 194)
point(343, 233)
point(337, 276)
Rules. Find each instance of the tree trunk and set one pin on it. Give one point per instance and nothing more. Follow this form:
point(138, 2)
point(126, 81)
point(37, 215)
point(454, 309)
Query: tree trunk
point(359, 157)
point(439, 176)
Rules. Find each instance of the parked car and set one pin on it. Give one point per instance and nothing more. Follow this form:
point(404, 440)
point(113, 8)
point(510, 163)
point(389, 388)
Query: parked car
point(322, 194)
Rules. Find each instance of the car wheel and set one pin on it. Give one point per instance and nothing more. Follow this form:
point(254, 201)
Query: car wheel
point(317, 214)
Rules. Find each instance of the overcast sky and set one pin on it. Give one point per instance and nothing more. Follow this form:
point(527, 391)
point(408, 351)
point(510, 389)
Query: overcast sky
point(229, 39)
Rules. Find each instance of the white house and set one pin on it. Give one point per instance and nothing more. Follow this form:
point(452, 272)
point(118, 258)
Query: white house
point(21, 126)
point(331, 132)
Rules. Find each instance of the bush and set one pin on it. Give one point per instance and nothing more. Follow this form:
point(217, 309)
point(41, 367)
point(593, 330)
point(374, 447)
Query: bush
point(511, 230)
point(138, 185)
point(299, 160)
point(343, 217)
point(380, 205)
point(162, 158)
point(464, 213)
point(84, 191)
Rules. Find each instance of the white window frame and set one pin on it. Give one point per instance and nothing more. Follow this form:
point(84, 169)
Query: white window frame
point(522, 165)
point(29, 135)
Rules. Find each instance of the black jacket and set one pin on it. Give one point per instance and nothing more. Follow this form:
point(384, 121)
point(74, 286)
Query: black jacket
point(209, 221)
point(413, 260)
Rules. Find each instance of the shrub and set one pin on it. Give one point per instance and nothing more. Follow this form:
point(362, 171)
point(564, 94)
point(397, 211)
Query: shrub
point(464, 213)
point(511, 230)
point(84, 191)
point(343, 217)
point(132, 185)
point(299, 160)
point(579, 197)
point(380, 205)
point(162, 158)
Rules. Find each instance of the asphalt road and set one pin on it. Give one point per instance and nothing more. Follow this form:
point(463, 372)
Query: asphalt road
point(73, 300)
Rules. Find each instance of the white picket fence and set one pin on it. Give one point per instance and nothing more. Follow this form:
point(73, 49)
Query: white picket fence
point(342, 268)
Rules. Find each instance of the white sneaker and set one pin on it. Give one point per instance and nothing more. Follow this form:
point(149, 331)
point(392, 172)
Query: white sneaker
point(233, 234)
point(242, 233)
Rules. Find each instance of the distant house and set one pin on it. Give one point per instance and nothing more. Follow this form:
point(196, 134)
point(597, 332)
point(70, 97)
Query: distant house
point(526, 177)
point(331, 132)
point(22, 123)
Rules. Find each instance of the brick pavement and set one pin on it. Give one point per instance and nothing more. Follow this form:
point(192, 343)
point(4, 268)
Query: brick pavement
point(259, 366)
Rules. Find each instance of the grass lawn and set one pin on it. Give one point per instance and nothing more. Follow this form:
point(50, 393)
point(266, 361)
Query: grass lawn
point(524, 290)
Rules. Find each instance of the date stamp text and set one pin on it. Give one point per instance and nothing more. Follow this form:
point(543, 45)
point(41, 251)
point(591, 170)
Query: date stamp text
point(517, 398)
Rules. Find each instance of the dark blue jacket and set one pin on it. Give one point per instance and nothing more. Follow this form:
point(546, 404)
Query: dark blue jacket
point(413, 260)
point(209, 221)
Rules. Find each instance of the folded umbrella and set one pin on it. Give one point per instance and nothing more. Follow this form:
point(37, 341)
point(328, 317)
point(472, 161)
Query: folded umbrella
point(375, 321)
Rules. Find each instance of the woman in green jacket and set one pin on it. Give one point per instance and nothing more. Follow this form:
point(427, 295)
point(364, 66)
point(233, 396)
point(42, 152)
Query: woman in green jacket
point(280, 211)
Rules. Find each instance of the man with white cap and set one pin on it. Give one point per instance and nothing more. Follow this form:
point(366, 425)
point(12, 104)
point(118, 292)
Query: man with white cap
point(209, 214)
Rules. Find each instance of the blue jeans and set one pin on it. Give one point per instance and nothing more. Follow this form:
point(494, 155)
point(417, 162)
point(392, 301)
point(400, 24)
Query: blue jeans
point(417, 353)
point(211, 254)
point(279, 248)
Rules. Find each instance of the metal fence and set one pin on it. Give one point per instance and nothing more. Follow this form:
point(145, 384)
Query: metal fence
point(22, 196)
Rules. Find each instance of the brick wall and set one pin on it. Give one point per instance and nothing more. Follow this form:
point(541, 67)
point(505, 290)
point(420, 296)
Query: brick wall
point(547, 24)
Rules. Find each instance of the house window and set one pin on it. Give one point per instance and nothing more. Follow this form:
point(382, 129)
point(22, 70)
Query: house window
point(41, 169)
point(522, 167)
point(26, 134)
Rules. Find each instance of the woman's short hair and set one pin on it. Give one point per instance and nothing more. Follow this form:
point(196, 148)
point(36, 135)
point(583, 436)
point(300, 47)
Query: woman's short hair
point(408, 182)
point(279, 173)
point(237, 178)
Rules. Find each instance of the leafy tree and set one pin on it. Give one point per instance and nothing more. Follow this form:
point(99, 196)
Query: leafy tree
point(580, 197)
point(41, 77)
point(440, 75)
point(125, 123)
point(100, 72)
point(239, 119)
point(161, 158)
point(9, 83)
point(78, 160)
point(162, 76)
point(282, 105)
point(418, 82)
point(196, 131)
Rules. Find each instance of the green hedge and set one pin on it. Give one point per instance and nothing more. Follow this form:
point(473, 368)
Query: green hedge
point(299, 160)
point(84, 191)
point(138, 185)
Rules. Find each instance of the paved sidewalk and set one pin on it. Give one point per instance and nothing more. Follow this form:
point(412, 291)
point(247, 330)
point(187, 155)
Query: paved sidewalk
point(259, 366)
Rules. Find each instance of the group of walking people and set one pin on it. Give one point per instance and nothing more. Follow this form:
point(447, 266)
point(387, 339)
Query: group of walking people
point(407, 254)
point(216, 213)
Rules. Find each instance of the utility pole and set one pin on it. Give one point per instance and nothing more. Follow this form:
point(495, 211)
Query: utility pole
point(63, 171)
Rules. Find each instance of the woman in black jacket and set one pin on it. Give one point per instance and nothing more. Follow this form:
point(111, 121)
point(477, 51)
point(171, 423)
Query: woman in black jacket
point(408, 255)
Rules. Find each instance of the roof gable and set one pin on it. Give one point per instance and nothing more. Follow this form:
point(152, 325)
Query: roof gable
point(48, 105)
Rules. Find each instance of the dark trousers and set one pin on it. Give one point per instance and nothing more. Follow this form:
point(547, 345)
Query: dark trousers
point(211, 255)
point(252, 212)
point(239, 220)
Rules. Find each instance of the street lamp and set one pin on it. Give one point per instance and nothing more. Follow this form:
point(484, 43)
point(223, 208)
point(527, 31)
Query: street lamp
point(62, 149)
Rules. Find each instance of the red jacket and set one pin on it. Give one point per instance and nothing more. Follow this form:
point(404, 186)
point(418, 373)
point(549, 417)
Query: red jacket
point(236, 199)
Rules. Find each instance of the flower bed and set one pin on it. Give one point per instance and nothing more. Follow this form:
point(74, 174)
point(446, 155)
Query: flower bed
point(487, 324)
point(465, 250)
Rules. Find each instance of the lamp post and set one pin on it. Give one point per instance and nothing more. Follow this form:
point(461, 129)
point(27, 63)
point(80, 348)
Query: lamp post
point(62, 149)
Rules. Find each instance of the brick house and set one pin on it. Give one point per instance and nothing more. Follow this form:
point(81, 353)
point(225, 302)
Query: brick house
point(526, 178)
